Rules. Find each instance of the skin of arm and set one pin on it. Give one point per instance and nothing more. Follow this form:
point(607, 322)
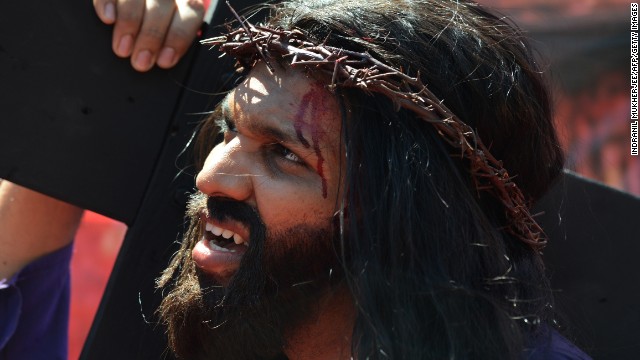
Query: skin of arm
point(151, 32)
point(32, 225)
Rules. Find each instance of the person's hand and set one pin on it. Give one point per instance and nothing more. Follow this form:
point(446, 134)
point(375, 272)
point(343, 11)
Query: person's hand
point(151, 31)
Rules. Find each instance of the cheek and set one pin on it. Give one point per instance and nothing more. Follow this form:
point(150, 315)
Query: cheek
point(283, 205)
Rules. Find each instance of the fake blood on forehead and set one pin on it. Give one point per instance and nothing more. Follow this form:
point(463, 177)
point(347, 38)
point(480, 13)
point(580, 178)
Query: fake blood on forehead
point(313, 100)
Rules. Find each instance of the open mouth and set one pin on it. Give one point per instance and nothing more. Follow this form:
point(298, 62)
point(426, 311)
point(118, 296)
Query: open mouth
point(221, 239)
point(221, 248)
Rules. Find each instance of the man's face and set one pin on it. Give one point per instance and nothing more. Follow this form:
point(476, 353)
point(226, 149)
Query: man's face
point(268, 196)
point(280, 156)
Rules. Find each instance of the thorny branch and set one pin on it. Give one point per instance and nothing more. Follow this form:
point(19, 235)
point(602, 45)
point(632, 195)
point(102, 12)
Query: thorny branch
point(350, 69)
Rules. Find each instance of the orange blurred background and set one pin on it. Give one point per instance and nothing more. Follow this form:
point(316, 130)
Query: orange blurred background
point(96, 246)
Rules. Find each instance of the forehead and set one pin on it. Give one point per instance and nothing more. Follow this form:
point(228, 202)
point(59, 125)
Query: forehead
point(288, 100)
point(282, 84)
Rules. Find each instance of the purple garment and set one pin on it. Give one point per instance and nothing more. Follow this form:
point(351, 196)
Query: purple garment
point(34, 309)
point(550, 345)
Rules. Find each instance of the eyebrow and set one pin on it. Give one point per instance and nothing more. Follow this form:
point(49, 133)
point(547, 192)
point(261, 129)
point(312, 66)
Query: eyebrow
point(259, 127)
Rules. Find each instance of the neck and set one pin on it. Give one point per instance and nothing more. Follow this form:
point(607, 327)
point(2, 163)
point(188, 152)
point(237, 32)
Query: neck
point(327, 333)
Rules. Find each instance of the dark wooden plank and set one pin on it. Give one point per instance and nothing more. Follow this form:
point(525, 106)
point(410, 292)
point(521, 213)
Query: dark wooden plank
point(77, 122)
point(125, 326)
point(592, 260)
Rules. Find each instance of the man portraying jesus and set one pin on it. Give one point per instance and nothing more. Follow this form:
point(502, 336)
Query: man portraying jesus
point(364, 192)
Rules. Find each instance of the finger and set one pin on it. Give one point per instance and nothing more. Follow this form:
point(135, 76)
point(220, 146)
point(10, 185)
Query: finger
point(186, 22)
point(157, 18)
point(129, 17)
point(106, 10)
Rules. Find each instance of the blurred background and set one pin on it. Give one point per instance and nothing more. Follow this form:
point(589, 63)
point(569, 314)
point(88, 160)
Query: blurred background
point(585, 45)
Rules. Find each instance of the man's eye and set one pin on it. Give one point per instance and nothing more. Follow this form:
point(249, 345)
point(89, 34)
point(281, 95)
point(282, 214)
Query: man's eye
point(286, 154)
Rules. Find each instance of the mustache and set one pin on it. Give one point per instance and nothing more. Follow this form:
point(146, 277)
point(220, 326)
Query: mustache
point(221, 209)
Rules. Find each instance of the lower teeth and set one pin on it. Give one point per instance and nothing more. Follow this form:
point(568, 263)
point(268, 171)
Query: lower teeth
point(214, 245)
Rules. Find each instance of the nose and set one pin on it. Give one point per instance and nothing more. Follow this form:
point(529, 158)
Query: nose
point(226, 173)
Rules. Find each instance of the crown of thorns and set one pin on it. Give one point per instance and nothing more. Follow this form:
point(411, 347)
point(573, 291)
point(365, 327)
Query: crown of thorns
point(349, 69)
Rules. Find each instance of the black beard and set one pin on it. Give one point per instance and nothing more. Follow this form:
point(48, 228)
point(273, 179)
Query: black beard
point(275, 289)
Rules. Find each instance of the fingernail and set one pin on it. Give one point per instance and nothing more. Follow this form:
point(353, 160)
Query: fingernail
point(143, 60)
point(125, 45)
point(110, 12)
point(166, 57)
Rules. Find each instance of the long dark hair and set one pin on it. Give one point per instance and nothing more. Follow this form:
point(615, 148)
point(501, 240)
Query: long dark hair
point(432, 274)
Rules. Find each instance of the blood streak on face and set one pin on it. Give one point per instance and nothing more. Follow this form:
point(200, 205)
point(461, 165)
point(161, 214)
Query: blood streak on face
point(299, 119)
point(315, 101)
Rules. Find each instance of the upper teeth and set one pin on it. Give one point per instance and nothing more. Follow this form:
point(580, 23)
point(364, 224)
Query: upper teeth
point(227, 234)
